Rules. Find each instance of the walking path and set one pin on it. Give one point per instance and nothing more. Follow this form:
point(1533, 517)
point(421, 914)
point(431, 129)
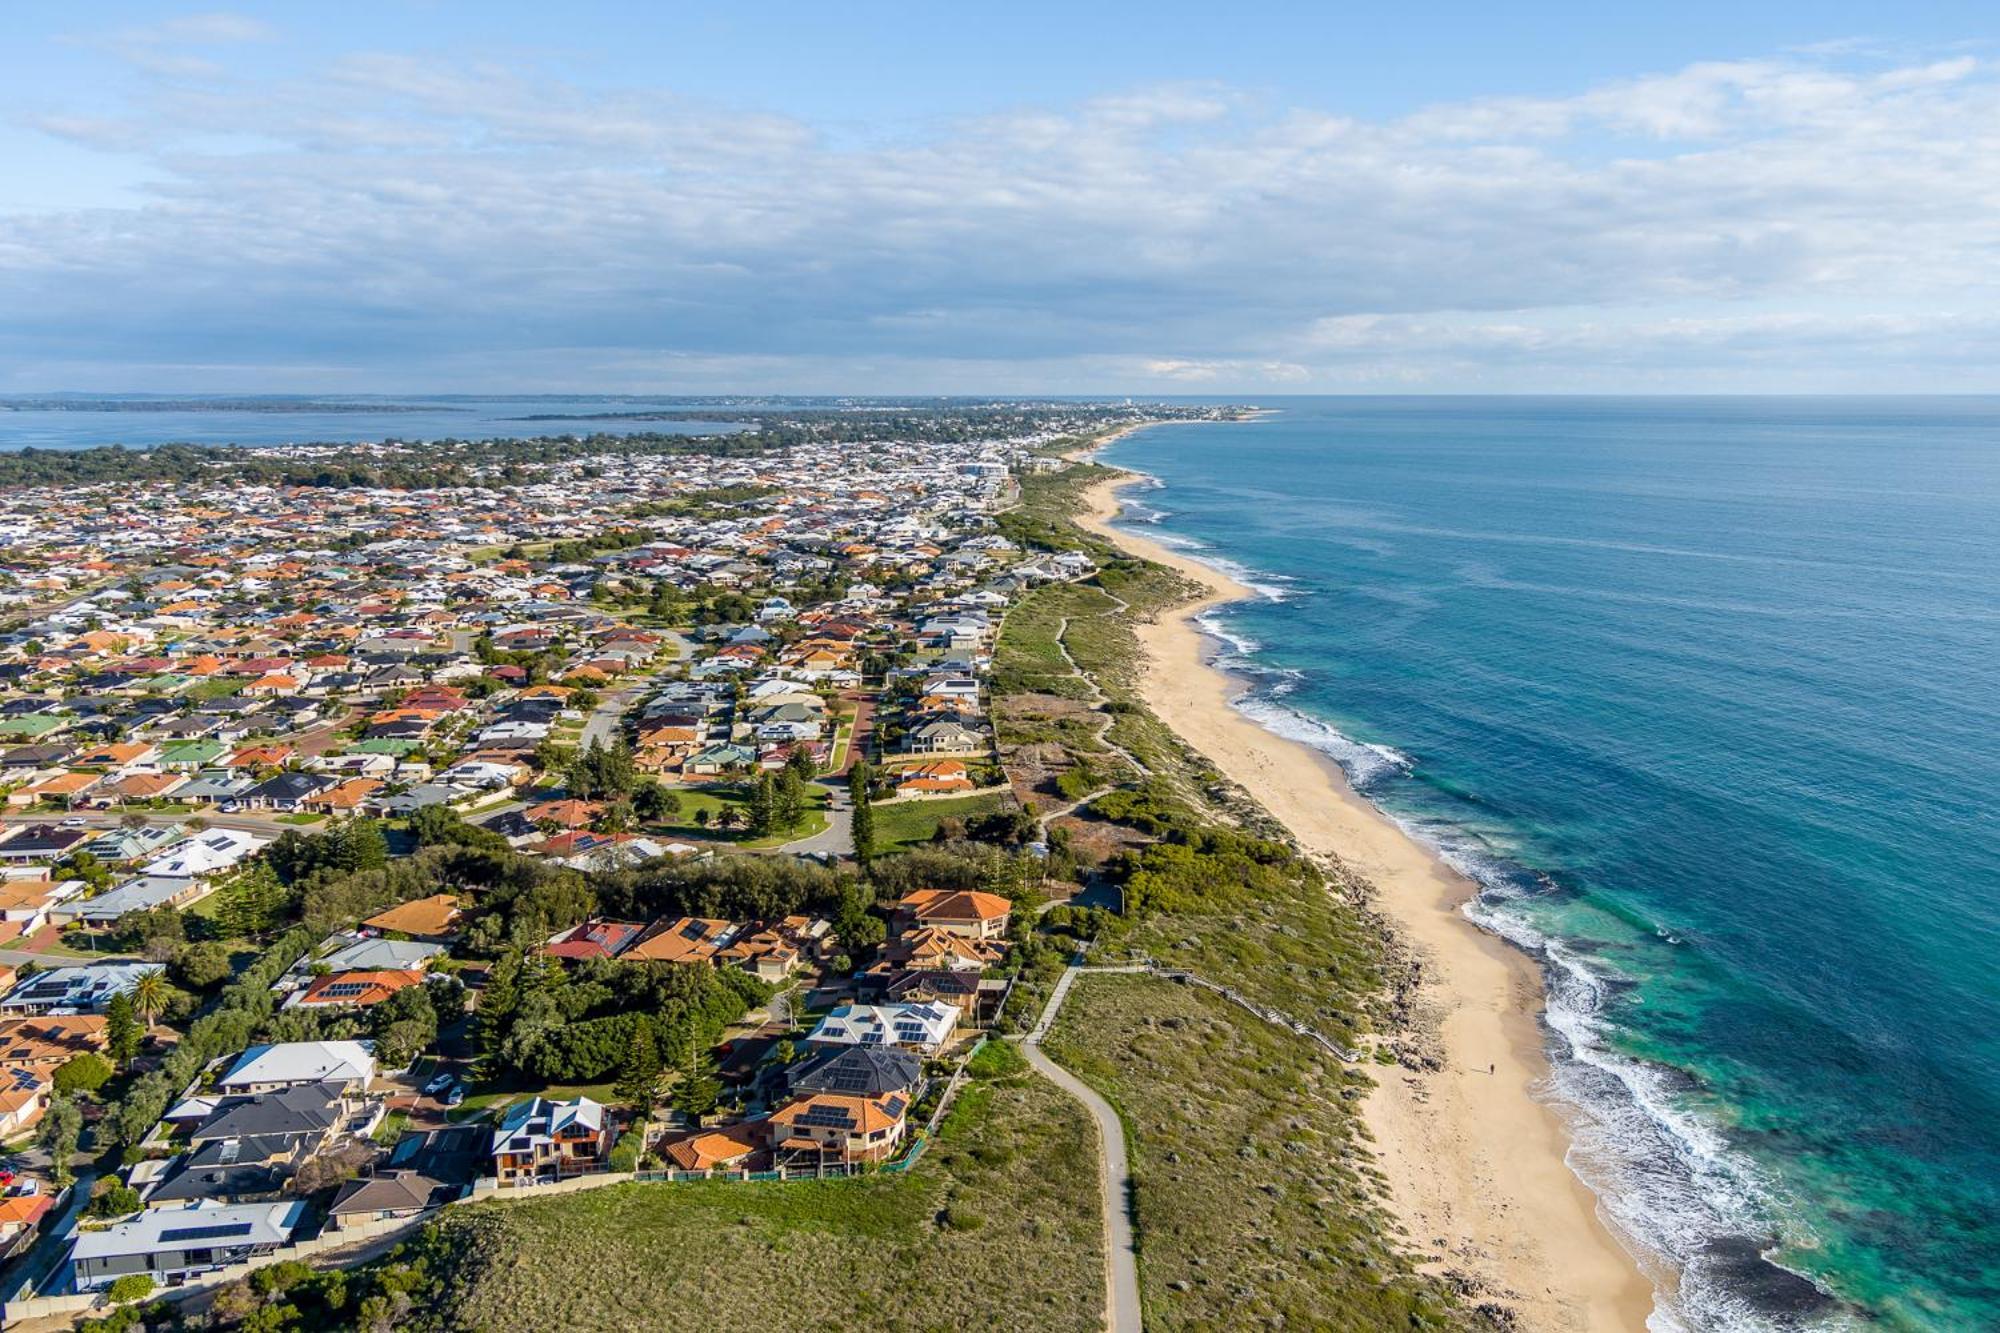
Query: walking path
point(1114, 1177)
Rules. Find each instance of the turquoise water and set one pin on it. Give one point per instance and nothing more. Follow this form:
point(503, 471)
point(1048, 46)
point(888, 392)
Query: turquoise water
point(1706, 694)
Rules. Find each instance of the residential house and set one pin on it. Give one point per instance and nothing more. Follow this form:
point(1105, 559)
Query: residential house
point(346, 1065)
point(968, 912)
point(543, 1139)
point(920, 1027)
point(852, 1129)
point(172, 1244)
point(432, 918)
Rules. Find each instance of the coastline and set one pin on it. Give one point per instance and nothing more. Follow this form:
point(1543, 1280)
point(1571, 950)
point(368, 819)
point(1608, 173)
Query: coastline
point(1476, 1162)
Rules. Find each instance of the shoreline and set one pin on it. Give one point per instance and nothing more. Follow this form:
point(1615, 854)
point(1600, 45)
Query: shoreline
point(1477, 1163)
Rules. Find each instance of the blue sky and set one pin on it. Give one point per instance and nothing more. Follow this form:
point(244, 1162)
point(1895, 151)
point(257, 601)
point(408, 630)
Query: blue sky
point(1021, 198)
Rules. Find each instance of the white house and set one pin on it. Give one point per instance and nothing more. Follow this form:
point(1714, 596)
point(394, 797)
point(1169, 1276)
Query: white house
point(207, 853)
point(294, 1064)
point(923, 1027)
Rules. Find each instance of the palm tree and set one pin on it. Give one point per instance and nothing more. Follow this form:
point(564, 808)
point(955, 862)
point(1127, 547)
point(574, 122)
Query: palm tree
point(149, 994)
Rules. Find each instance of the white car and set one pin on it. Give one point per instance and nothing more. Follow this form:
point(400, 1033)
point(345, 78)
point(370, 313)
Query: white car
point(437, 1084)
point(74, 821)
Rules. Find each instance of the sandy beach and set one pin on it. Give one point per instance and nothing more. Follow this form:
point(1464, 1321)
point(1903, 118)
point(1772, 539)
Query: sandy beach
point(1475, 1160)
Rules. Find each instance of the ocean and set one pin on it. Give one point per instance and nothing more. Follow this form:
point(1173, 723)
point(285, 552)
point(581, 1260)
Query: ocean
point(1705, 694)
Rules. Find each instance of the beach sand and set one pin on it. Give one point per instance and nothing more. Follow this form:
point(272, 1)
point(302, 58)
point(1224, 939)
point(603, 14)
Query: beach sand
point(1475, 1160)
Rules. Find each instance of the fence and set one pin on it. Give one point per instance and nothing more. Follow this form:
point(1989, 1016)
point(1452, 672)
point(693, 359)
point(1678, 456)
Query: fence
point(1274, 1016)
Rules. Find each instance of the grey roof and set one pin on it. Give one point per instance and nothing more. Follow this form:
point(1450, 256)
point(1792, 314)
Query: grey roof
point(202, 1225)
point(134, 895)
point(380, 955)
point(311, 1108)
point(857, 1071)
point(386, 1192)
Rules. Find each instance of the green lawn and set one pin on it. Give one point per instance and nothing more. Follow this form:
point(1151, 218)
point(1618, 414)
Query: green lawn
point(490, 1098)
point(997, 1227)
point(910, 824)
point(714, 800)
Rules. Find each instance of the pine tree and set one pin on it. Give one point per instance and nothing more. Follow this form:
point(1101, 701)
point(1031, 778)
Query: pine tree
point(699, 1089)
point(639, 1073)
point(121, 1029)
point(788, 810)
point(763, 806)
point(864, 831)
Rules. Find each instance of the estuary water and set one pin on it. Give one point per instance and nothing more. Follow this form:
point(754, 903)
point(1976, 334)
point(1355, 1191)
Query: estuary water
point(1705, 693)
point(141, 423)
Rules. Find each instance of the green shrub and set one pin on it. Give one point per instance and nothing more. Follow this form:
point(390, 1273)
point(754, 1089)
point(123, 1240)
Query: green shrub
point(82, 1073)
point(131, 1287)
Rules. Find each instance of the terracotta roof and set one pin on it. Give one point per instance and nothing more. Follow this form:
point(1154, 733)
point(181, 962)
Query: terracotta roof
point(359, 988)
point(955, 905)
point(424, 916)
point(715, 1147)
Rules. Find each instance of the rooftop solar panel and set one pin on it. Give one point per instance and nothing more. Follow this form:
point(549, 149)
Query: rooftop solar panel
point(206, 1233)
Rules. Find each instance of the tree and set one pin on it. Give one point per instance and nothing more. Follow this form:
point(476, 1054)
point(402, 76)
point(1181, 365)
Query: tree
point(699, 1089)
point(863, 832)
point(202, 966)
point(149, 994)
point(800, 762)
point(253, 902)
point(639, 1073)
point(763, 806)
point(789, 809)
point(86, 1072)
point(61, 1125)
point(653, 803)
point(111, 1198)
point(121, 1030)
point(602, 771)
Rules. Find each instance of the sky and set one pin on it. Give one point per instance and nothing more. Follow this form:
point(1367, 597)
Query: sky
point(402, 196)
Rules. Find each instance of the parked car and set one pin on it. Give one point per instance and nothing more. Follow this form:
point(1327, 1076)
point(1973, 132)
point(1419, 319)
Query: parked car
point(456, 1095)
point(437, 1085)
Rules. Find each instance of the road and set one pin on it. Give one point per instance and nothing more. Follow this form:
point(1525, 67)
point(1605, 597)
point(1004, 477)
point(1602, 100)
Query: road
point(606, 722)
point(1114, 1176)
point(837, 838)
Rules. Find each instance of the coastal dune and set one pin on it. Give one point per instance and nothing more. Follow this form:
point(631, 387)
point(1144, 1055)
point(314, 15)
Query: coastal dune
point(1475, 1159)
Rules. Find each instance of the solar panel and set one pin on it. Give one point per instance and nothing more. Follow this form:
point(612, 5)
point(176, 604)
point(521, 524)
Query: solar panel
point(206, 1233)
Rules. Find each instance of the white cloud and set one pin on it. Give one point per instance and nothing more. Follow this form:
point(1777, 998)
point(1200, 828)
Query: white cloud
point(409, 217)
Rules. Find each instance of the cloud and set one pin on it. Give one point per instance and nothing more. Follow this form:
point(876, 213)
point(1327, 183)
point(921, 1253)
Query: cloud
point(440, 223)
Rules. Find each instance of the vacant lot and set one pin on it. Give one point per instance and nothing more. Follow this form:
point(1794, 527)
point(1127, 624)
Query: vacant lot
point(997, 1227)
point(905, 824)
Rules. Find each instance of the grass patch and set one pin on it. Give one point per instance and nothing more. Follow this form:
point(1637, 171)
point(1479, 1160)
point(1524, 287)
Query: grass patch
point(904, 825)
point(1256, 1204)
